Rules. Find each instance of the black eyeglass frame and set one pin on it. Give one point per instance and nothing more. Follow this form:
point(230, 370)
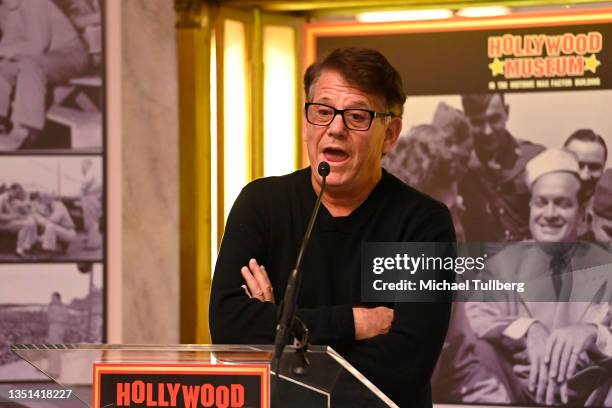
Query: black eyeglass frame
point(373, 115)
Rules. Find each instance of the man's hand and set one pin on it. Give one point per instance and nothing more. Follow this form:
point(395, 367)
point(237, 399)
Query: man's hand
point(563, 349)
point(258, 283)
point(371, 322)
point(538, 370)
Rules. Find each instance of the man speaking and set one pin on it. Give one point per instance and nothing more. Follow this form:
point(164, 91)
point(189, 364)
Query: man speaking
point(352, 118)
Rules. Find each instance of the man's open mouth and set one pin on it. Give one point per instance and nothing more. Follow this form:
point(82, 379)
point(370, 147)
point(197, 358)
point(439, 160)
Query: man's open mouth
point(335, 155)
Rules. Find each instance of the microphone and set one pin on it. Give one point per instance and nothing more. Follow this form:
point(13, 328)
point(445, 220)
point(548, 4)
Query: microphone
point(288, 306)
point(323, 170)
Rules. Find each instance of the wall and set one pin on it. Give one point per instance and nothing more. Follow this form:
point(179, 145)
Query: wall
point(143, 172)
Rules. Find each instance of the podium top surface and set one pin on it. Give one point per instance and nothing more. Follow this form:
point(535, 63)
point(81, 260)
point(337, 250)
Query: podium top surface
point(71, 365)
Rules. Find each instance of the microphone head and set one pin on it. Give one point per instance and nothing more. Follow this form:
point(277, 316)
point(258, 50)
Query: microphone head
point(323, 169)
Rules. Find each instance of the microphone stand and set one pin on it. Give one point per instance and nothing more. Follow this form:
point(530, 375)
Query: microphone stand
point(288, 322)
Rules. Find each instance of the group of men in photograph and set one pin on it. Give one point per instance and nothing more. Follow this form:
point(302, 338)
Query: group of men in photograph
point(558, 202)
point(38, 224)
point(41, 222)
point(494, 190)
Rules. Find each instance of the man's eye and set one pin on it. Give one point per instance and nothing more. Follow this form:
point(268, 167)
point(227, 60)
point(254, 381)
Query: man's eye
point(477, 122)
point(494, 118)
point(323, 111)
point(564, 204)
point(357, 116)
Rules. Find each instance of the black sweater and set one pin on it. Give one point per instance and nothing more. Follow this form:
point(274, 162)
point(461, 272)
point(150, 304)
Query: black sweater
point(268, 222)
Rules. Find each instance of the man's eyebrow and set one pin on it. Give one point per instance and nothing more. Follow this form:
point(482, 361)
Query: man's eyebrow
point(360, 105)
point(352, 105)
point(324, 100)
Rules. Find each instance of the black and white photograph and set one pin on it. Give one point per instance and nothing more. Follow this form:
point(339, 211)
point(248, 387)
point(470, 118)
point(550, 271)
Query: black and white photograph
point(48, 304)
point(495, 159)
point(51, 208)
point(470, 152)
point(51, 75)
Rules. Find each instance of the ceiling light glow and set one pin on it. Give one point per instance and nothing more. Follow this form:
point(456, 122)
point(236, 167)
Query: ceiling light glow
point(404, 15)
point(483, 11)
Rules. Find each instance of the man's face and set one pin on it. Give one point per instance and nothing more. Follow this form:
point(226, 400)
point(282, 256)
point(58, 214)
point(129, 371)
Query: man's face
point(602, 229)
point(354, 156)
point(592, 160)
point(555, 213)
point(489, 127)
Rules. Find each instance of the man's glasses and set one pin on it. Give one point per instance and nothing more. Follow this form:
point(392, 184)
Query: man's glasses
point(354, 119)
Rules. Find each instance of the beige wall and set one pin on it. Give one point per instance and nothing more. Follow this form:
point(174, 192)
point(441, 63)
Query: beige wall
point(143, 268)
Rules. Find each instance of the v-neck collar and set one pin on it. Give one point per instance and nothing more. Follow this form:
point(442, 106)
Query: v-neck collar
point(327, 222)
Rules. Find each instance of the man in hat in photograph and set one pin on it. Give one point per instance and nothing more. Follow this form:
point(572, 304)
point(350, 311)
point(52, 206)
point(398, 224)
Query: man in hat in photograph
point(496, 198)
point(539, 342)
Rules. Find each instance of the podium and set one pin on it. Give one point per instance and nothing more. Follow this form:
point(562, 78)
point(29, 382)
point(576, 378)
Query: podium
point(329, 380)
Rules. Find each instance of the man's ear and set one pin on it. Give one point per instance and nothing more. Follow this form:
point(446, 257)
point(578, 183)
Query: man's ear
point(392, 134)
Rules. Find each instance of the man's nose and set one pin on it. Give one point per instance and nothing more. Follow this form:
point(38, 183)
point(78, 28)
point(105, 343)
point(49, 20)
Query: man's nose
point(487, 129)
point(550, 211)
point(336, 127)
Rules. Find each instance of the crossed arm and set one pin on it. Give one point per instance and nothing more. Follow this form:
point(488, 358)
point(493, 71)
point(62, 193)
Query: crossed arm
point(368, 322)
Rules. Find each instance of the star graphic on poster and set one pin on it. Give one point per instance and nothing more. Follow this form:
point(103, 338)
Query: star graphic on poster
point(497, 67)
point(591, 63)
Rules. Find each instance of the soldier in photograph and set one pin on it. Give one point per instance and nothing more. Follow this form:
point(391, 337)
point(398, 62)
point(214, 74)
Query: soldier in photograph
point(592, 153)
point(457, 136)
point(494, 192)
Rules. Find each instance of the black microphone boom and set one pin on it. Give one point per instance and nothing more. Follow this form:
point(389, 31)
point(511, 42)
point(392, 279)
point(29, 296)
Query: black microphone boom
point(288, 306)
